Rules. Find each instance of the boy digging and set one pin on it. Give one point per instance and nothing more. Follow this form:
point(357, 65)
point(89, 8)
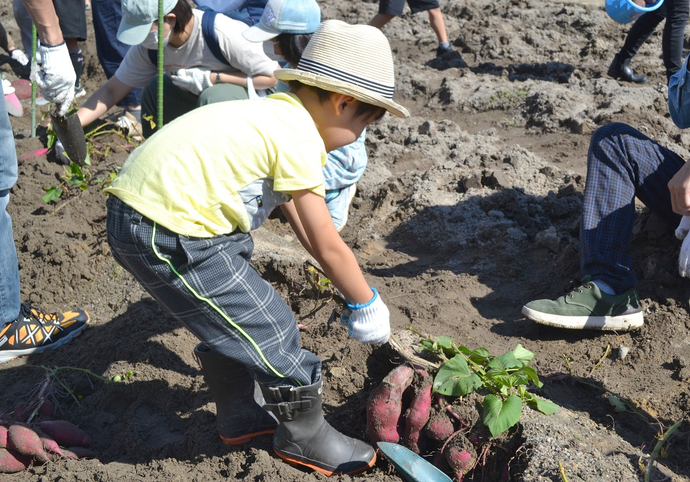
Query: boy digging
point(179, 217)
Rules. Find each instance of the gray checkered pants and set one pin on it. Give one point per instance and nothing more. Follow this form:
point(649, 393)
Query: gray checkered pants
point(209, 285)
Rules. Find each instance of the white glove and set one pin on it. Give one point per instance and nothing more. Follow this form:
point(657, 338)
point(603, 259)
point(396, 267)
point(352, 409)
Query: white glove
point(55, 76)
point(19, 56)
point(194, 80)
point(368, 323)
point(60, 152)
point(684, 257)
point(683, 227)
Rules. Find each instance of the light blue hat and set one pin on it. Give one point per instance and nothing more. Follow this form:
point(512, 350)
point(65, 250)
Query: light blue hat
point(137, 18)
point(285, 16)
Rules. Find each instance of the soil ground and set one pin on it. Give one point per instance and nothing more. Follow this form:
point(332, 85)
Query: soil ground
point(468, 209)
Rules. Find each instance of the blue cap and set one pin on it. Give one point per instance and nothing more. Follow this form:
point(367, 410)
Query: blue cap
point(138, 17)
point(285, 16)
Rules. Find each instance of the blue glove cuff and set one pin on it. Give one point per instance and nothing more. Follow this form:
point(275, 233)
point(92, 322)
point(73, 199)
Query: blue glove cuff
point(359, 307)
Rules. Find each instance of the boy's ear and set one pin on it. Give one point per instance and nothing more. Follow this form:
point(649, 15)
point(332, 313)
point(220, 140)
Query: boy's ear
point(342, 102)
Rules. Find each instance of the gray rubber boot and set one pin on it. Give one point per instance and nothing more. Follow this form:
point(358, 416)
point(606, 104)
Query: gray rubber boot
point(303, 436)
point(238, 415)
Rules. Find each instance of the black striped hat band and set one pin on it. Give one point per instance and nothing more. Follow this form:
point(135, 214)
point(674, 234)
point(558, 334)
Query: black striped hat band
point(308, 65)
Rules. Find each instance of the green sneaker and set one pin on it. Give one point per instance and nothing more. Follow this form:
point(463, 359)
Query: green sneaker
point(587, 308)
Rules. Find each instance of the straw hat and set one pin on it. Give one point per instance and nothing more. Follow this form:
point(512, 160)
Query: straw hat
point(355, 60)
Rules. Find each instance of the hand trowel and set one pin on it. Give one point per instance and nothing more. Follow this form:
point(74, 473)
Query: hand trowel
point(411, 466)
point(71, 134)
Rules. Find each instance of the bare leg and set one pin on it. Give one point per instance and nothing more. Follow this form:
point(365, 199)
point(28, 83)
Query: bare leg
point(437, 24)
point(381, 19)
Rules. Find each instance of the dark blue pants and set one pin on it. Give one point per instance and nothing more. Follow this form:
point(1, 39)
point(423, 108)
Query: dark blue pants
point(106, 20)
point(622, 164)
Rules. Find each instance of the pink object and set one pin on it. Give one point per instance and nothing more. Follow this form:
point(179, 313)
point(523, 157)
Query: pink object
point(36, 153)
point(14, 107)
point(22, 88)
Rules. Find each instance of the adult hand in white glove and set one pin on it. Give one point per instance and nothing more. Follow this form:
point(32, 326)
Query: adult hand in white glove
point(368, 323)
point(55, 76)
point(194, 80)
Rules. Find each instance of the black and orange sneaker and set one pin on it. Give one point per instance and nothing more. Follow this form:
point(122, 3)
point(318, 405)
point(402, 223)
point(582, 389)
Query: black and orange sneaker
point(35, 331)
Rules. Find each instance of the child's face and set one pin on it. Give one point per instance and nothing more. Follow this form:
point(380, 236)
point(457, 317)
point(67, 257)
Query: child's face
point(345, 127)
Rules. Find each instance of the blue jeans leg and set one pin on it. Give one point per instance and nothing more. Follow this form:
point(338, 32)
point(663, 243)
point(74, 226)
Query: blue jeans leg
point(9, 268)
point(622, 164)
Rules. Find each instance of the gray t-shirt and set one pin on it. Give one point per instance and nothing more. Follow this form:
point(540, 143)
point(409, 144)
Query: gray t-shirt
point(137, 70)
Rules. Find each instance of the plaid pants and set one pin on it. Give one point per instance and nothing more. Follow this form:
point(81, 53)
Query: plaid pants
point(209, 285)
point(622, 164)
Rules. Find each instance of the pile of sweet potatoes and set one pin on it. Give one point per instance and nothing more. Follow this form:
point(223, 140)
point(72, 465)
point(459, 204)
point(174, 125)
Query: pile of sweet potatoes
point(24, 443)
point(403, 409)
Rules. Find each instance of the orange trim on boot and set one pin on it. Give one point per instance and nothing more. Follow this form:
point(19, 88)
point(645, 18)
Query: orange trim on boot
point(243, 439)
point(327, 473)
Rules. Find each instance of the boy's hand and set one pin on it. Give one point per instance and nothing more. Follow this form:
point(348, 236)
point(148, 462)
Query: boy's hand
point(370, 322)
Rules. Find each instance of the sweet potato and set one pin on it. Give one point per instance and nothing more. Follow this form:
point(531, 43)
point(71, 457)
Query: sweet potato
point(78, 453)
point(46, 410)
point(24, 440)
point(11, 462)
point(460, 455)
point(3, 436)
point(439, 427)
point(50, 445)
point(24, 410)
point(66, 434)
point(385, 405)
point(417, 415)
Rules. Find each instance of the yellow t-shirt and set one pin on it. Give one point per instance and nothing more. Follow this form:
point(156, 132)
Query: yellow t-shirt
point(224, 166)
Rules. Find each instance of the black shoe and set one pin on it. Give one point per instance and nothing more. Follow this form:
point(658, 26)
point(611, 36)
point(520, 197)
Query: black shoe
point(441, 50)
point(623, 71)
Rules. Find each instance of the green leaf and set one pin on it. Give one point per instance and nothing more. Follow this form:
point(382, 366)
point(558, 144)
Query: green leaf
point(541, 405)
point(504, 379)
point(499, 415)
point(445, 342)
point(618, 406)
point(52, 193)
point(523, 354)
point(529, 374)
point(480, 356)
point(75, 170)
point(464, 350)
point(505, 361)
point(455, 379)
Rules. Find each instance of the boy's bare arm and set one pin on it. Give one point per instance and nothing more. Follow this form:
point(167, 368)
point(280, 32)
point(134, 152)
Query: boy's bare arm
point(107, 95)
point(326, 245)
point(293, 218)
